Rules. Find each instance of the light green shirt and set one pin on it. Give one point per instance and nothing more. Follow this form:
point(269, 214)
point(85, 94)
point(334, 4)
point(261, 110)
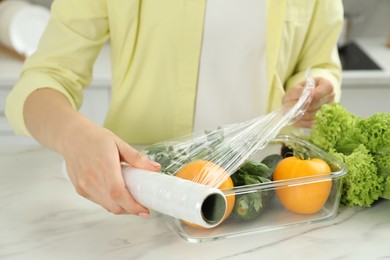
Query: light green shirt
point(155, 51)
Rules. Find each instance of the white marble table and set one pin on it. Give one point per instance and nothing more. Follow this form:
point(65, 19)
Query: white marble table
point(42, 217)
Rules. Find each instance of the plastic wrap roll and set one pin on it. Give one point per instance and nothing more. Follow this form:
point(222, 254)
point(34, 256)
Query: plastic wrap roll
point(176, 197)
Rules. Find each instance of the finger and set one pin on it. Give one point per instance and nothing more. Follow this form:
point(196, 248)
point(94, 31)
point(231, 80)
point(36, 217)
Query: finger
point(135, 158)
point(89, 187)
point(317, 103)
point(293, 94)
point(323, 88)
point(309, 115)
point(121, 201)
point(304, 123)
point(322, 94)
point(104, 200)
point(306, 120)
point(118, 193)
point(119, 196)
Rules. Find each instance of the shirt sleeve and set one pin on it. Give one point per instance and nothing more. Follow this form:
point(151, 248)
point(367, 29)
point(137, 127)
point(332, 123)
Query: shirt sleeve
point(320, 48)
point(64, 58)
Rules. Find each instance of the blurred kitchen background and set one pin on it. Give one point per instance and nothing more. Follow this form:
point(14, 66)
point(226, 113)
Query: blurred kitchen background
point(364, 48)
point(46, 3)
point(367, 17)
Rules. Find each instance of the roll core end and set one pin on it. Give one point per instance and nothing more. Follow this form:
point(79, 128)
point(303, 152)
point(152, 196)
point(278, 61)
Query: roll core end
point(214, 208)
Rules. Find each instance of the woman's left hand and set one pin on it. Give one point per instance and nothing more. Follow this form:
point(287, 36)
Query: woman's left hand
point(323, 94)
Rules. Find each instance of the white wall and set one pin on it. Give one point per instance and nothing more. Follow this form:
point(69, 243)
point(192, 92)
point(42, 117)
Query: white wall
point(372, 17)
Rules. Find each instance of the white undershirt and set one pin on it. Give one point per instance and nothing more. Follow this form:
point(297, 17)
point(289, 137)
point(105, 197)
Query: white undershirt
point(232, 74)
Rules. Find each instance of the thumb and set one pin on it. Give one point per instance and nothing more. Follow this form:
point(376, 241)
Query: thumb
point(293, 94)
point(135, 158)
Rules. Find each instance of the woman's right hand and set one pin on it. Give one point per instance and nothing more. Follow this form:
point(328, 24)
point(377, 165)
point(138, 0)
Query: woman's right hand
point(93, 157)
point(93, 154)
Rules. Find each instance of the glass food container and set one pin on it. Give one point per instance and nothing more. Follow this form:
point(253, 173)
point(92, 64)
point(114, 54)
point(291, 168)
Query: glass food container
point(274, 215)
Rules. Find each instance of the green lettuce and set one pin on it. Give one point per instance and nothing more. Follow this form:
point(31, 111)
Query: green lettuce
point(363, 144)
point(335, 128)
point(362, 185)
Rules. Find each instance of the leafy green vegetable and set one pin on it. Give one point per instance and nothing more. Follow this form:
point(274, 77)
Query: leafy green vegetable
point(249, 205)
point(375, 132)
point(172, 156)
point(335, 128)
point(383, 164)
point(363, 144)
point(362, 186)
point(254, 172)
point(386, 191)
point(272, 160)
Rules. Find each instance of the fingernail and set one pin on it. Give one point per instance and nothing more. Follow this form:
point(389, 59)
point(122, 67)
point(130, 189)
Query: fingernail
point(154, 164)
point(143, 214)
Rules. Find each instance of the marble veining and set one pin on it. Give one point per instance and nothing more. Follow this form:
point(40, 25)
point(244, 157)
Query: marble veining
point(42, 217)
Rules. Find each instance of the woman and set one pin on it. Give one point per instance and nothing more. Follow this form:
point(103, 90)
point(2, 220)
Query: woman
point(163, 57)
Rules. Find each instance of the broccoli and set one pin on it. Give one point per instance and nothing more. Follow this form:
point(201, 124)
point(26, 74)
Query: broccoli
point(363, 144)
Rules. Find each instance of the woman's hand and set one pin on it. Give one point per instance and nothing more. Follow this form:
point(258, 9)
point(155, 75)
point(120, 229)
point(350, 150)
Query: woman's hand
point(322, 94)
point(93, 157)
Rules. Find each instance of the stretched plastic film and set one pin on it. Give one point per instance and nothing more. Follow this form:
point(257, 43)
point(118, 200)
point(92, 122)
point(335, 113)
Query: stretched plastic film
point(207, 160)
